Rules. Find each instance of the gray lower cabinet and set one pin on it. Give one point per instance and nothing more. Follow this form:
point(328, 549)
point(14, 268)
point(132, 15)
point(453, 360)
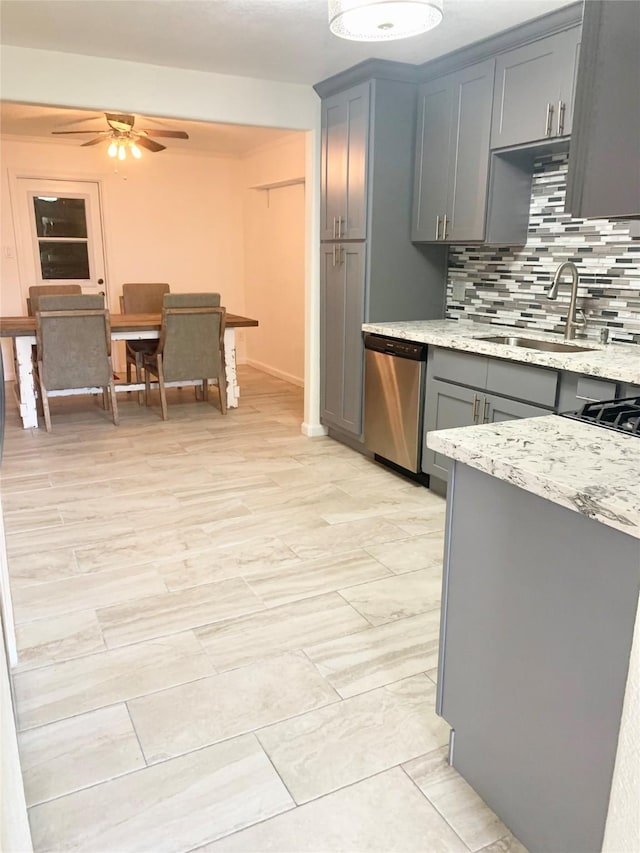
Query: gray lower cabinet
point(535, 90)
point(497, 409)
point(342, 281)
point(446, 406)
point(464, 389)
point(452, 156)
point(534, 656)
point(345, 139)
point(604, 177)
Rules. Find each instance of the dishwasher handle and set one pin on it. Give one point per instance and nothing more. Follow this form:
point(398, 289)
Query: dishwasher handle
point(396, 347)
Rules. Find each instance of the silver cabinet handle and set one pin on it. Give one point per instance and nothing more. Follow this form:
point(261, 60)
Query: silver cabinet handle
point(444, 227)
point(549, 126)
point(476, 408)
point(334, 227)
point(333, 253)
point(561, 109)
point(340, 234)
point(438, 227)
point(587, 399)
point(485, 412)
point(340, 255)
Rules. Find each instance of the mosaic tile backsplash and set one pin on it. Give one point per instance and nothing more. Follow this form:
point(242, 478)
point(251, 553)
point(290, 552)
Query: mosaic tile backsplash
point(507, 286)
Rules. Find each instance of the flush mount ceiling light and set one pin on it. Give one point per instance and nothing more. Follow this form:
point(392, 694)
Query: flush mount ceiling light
point(383, 20)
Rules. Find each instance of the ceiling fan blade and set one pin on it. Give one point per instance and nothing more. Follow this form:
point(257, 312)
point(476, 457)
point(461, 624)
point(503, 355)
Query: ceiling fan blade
point(65, 132)
point(122, 123)
point(172, 134)
point(149, 144)
point(93, 141)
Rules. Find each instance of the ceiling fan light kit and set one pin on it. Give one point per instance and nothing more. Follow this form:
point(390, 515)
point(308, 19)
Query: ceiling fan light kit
point(383, 20)
point(122, 138)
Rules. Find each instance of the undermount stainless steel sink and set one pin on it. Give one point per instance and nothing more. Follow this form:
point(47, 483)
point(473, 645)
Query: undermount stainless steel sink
point(532, 343)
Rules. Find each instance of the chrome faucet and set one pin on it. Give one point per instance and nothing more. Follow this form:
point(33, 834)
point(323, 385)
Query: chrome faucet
point(572, 322)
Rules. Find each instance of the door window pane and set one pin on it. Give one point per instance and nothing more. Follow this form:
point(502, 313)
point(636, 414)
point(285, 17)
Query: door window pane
point(63, 260)
point(60, 217)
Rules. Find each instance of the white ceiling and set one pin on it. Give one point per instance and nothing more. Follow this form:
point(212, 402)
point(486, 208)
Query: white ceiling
point(286, 40)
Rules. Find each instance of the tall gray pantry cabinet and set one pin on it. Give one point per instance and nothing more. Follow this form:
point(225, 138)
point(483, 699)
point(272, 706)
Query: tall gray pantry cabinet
point(370, 269)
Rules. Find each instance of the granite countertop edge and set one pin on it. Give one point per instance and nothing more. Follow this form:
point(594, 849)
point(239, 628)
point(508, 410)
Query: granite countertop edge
point(585, 468)
point(617, 362)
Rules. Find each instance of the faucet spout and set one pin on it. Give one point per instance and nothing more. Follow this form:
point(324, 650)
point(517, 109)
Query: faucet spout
point(572, 323)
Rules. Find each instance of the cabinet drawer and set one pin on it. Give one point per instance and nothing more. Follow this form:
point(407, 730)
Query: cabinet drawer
point(460, 367)
point(523, 382)
point(589, 389)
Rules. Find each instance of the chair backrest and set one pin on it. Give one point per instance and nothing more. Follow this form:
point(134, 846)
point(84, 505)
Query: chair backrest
point(143, 297)
point(192, 336)
point(38, 290)
point(191, 300)
point(74, 341)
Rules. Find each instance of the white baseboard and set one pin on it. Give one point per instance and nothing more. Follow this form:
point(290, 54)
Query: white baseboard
point(313, 430)
point(273, 371)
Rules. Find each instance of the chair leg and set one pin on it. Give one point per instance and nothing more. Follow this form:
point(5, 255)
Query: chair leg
point(139, 374)
point(128, 368)
point(114, 402)
point(105, 400)
point(222, 391)
point(147, 387)
point(44, 398)
point(163, 396)
point(205, 390)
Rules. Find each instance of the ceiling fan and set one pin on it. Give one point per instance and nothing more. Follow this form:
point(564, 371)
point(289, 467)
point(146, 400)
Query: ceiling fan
point(123, 137)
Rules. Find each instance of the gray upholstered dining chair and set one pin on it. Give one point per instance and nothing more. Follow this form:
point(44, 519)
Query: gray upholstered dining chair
point(38, 290)
point(141, 298)
point(74, 348)
point(191, 346)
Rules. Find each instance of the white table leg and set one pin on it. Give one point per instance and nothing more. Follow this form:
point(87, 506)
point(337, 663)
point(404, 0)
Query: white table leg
point(233, 389)
point(24, 367)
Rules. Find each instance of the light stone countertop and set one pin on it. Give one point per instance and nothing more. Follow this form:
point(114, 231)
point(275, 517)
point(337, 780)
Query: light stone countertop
point(618, 362)
point(588, 469)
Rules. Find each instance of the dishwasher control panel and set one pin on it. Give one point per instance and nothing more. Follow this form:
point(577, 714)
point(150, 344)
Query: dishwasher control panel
point(396, 347)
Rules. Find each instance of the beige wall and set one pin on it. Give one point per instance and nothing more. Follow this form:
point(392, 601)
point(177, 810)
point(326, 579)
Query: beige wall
point(274, 257)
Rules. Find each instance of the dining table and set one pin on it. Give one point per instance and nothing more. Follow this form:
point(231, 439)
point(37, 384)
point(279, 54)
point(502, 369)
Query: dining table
point(124, 327)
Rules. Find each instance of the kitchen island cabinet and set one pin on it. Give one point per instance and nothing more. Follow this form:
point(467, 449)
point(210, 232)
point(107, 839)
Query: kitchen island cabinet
point(540, 591)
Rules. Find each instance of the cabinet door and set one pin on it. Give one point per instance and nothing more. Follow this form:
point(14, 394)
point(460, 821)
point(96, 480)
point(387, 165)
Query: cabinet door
point(342, 272)
point(567, 57)
point(527, 91)
point(494, 409)
point(345, 136)
point(469, 172)
point(433, 158)
point(604, 178)
point(446, 406)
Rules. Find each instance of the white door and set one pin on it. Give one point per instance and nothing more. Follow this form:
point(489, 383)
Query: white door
point(61, 239)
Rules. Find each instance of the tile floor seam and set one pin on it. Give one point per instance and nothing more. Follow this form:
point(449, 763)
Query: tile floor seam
point(20, 730)
point(431, 803)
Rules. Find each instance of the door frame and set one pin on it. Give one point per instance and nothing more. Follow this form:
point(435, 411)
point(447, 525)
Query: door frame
point(16, 175)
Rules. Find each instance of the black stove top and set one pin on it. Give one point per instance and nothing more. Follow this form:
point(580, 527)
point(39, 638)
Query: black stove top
point(622, 415)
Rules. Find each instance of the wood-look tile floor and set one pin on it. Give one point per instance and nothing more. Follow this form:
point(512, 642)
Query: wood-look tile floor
point(228, 636)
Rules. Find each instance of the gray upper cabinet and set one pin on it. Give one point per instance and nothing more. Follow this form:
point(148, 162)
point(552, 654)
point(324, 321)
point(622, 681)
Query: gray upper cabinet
point(604, 170)
point(452, 156)
point(372, 272)
point(535, 90)
point(345, 137)
point(342, 281)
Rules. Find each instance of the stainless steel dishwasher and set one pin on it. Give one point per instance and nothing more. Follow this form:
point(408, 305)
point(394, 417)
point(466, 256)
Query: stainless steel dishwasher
point(393, 400)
